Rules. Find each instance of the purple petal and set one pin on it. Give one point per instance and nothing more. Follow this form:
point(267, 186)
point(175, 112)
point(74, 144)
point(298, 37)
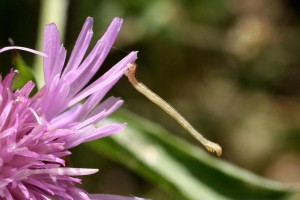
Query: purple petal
point(105, 131)
point(62, 171)
point(90, 121)
point(58, 64)
point(55, 95)
point(51, 47)
point(86, 136)
point(110, 105)
point(38, 131)
point(26, 89)
point(92, 102)
point(81, 45)
point(66, 119)
point(107, 80)
point(95, 59)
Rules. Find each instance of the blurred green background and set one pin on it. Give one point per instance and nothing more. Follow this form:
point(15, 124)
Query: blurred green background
point(231, 67)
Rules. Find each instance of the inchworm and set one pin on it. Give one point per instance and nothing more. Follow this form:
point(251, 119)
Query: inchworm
point(209, 145)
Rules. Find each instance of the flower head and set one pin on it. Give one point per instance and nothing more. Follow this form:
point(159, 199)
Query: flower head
point(37, 132)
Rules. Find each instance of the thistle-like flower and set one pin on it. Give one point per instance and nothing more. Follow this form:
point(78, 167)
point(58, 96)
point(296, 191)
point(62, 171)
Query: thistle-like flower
point(37, 132)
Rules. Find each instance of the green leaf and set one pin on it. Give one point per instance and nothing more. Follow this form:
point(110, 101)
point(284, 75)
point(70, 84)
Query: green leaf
point(185, 170)
point(26, 73)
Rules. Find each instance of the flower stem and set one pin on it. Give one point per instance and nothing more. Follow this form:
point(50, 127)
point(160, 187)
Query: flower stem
point(51, 11)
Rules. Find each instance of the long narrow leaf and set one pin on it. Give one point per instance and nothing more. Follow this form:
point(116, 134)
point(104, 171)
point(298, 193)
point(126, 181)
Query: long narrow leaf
point(185, 170)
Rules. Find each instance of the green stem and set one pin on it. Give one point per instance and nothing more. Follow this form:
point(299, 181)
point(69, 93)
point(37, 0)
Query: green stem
point(51, 11)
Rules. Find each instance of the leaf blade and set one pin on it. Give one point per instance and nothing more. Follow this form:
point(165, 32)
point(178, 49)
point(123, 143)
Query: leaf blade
point(186, 171)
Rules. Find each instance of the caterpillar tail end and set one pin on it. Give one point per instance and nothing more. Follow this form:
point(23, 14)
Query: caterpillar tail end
point(214, 148)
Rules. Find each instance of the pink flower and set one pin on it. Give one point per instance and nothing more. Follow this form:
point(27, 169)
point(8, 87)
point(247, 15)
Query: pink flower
point(36, 133)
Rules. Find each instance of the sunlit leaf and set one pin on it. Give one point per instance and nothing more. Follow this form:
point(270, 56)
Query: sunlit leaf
point(185, 170)
point(26, 73)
